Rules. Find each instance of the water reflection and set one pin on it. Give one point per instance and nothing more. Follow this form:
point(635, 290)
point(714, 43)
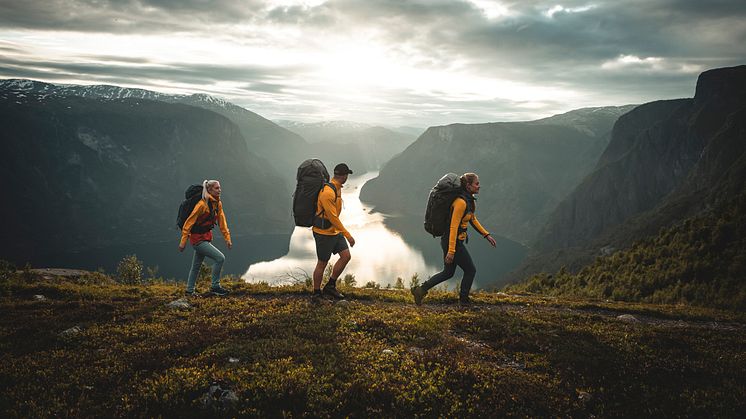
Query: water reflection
point(379, 255)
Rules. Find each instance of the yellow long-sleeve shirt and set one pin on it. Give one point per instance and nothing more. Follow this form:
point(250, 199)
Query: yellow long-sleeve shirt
point(200, 210)
point(459, 220)
point(329, 205)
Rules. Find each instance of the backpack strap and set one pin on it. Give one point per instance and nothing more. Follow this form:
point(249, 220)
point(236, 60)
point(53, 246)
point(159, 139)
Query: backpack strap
point(318, 219)
point(212, 219)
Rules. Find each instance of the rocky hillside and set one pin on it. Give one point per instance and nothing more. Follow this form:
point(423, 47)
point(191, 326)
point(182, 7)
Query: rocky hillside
point(668, 161)
point(525, 168)
point(91, 172)
point(280, 147)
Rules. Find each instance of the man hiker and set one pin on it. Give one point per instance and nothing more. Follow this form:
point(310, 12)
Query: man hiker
point(330, 235)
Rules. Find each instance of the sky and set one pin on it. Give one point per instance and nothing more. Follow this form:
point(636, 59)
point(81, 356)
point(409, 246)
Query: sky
point(389, 62)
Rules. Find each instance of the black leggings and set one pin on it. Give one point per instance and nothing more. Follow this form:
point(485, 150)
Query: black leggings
point(462, 259)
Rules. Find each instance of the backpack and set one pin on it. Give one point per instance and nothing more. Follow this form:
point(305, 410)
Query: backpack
point(312, 176)
point(192, 195)
point(438, 212)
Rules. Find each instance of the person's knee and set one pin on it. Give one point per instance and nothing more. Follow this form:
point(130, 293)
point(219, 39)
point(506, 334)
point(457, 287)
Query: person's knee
point(219, 258)
point(345, 256)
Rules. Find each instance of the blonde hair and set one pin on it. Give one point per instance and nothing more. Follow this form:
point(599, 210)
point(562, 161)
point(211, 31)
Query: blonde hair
point(206, 184)
point(468, 179)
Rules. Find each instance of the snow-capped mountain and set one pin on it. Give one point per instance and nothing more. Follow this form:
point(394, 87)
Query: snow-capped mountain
point(279, 146)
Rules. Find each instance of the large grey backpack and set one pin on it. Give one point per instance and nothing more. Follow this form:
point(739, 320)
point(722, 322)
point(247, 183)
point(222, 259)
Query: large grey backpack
point(312, 176)
point(438, 212)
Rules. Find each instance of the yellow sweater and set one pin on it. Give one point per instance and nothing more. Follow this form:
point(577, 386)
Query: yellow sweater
point(458, 208)
point(200, 209)
point(331, 205)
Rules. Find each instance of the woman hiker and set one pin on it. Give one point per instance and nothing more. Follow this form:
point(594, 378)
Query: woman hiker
point(453, 242)
point(198, 228)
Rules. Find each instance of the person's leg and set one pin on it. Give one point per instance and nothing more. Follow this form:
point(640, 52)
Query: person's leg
point(340, 247)
point(324, 245)
point(464, 261)
point(318, 274)
point(448, 268)
point(197, 259)
point(341, 263)
point(217, 257)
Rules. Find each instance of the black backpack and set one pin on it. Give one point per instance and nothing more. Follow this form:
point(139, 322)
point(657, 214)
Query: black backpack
point(438, 212)
point(312, 176)
point(192, 195)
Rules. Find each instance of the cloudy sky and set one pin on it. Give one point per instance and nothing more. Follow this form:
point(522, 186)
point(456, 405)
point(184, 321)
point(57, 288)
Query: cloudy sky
point(394, 62)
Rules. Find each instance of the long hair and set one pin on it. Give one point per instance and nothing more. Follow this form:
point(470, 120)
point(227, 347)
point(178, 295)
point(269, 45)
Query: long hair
point(467, 179)
point(206, 184)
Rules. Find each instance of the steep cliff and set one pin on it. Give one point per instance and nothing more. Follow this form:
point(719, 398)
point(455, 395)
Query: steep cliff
point(525, 168)
point(82, 173)
point(667, 162)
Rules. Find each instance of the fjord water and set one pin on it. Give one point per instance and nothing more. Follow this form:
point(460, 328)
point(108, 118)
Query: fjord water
point(386, 247)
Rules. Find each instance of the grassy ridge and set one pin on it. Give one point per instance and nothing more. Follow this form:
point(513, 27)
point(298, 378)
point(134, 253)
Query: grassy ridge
point(701, 261)
point(377, 355)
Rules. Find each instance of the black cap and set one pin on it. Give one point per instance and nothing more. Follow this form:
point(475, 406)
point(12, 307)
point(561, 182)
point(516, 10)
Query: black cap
point(342, 169)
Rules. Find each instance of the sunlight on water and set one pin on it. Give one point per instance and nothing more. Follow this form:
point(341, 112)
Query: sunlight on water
point(379, 255)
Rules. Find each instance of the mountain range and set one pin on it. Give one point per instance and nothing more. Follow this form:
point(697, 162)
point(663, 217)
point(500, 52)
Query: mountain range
point(671, 165)
point(363, 147)
point(103, 167)
point(525, 168)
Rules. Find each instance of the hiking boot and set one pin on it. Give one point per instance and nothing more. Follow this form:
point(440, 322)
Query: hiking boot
point(418, 293)
point(317, 299)
point(332, 292)
point(465, 302)
point(188, 293)
point(219, 291)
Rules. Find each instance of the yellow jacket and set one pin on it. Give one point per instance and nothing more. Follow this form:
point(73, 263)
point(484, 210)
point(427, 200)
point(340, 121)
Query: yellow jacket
point(202, 209)
point(459, 221)
point(331, 205)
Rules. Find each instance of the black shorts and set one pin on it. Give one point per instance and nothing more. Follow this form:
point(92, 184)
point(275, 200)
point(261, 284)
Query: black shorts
point(326, 245)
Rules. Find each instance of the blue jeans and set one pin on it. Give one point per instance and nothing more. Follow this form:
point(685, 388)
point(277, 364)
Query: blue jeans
point(461, 259)
point(202, 250)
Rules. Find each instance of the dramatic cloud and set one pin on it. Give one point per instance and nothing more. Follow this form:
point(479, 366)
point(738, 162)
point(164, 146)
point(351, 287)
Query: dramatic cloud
point(425, 62)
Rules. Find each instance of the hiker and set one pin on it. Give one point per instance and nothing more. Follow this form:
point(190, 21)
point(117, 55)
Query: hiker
point(329, 235)
point(198, 228)
point(454, 239)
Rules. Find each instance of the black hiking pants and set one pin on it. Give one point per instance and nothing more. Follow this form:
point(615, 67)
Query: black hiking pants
point(462, 259)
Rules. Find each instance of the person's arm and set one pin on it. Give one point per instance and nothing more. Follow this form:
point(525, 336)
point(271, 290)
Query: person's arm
point(328, 199)
point(223, 224)
point(198, 210)
point(486, 234)
point(475, 223)
point(459, 207)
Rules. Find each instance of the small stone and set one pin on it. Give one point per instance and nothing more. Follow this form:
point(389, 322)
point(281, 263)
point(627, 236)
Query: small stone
point(584, 396)
point(627, 318)
point(39, 297)
point(388, 352)
point(180, 303)
point(416, 351)
point(228, 397)
point(70, 332)
point(233, 360)
point(343, 303)
point(501, 294)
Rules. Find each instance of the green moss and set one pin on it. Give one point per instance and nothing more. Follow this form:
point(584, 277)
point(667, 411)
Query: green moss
point(512, 355)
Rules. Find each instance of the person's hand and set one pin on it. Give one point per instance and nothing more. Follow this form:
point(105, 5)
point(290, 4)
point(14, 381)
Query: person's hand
point(181, 247)
point(230, 245)
point(449, 258)
point(352, 241)
point(491, 240)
